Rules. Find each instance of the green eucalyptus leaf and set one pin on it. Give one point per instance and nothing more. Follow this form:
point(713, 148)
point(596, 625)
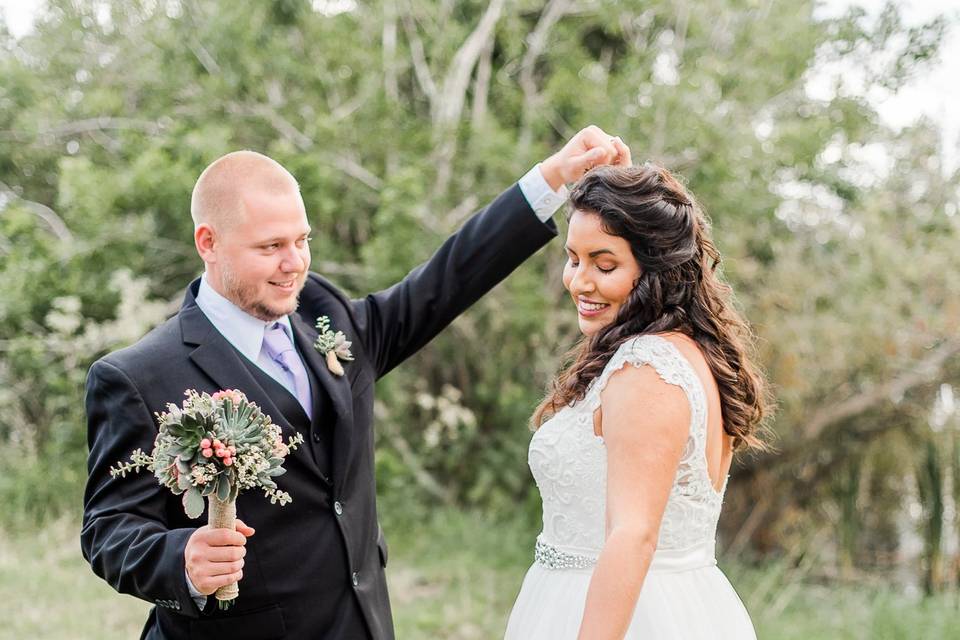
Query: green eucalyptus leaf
point(193, 502)
point(223, 487)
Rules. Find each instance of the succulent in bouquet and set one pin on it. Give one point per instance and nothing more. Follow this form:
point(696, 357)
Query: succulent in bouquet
point(214, 447)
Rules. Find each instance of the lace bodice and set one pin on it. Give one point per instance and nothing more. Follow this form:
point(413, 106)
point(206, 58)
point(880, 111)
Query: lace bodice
point(569, 462)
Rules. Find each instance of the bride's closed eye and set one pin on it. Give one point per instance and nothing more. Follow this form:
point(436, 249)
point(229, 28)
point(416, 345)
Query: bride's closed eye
point(574, 263)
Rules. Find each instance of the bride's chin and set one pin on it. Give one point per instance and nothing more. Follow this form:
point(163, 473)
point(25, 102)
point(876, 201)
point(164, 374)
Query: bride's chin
point(588, 328)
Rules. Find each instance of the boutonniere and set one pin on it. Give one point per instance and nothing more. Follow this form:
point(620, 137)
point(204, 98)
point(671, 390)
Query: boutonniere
point(333, 345)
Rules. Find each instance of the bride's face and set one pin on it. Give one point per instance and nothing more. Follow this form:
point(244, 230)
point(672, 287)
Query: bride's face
point(600, 271)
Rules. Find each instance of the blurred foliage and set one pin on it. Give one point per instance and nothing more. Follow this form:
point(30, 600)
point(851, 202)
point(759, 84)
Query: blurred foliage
point(399, 119)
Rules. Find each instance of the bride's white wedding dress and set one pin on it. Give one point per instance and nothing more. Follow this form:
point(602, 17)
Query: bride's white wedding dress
point(685, 596)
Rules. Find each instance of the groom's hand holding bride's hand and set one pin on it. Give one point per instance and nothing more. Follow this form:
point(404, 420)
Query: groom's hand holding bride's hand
point(214, 557)
point(590, 147)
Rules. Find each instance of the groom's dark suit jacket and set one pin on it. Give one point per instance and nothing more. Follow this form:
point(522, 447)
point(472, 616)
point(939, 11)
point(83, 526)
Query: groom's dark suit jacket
point(315, 567)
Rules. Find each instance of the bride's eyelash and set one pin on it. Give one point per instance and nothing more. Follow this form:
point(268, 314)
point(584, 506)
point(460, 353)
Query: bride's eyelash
point(602, 270)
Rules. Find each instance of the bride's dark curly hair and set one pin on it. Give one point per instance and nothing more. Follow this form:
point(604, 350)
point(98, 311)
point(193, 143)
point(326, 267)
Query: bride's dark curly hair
point(678, 290)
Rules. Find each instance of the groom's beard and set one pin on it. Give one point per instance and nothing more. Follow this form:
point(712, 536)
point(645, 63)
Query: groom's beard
point(246, 297)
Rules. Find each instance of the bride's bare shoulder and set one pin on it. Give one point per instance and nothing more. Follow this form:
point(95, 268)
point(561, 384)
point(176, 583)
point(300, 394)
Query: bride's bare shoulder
point(686, 345)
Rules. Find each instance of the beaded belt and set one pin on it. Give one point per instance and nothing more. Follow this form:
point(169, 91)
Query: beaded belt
point(551, 557)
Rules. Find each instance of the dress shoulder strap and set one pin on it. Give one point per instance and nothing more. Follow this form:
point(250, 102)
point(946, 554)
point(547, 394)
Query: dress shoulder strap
point(672, 367)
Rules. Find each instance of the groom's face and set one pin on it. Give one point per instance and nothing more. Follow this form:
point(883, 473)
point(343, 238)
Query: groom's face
point(263, 260)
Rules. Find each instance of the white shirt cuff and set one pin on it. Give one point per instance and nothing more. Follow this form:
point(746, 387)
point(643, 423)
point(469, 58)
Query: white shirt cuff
point(198, 597)
point(542, 199)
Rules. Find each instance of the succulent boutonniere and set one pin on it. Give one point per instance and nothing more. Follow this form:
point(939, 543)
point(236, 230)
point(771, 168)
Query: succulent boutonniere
point(333, 345)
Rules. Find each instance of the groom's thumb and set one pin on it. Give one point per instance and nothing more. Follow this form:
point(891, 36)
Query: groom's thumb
point(244, 529)
point(589, 160)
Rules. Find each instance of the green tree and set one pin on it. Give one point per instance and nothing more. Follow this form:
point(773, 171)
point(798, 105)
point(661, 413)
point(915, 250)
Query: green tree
point(398, 119)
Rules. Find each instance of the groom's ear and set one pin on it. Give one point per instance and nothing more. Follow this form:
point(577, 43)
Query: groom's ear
point(205, 239)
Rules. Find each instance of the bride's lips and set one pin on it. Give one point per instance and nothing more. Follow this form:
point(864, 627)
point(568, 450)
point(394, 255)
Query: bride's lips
point(590, 309)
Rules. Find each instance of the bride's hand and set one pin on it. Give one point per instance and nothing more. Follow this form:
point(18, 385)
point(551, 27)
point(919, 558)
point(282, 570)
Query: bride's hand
point(591, 147)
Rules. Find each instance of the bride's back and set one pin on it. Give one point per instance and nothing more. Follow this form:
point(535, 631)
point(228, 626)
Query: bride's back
point(719, 446)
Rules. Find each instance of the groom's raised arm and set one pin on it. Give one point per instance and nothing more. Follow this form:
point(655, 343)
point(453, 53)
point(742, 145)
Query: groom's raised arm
point(398, 321)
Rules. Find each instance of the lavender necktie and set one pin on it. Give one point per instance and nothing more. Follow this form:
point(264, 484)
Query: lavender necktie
point(278, 347)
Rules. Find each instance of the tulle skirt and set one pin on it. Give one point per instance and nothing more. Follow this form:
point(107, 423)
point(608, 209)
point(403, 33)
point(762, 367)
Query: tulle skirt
point(685, 596)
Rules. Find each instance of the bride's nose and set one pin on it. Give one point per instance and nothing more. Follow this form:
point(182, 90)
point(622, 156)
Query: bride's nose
point(581, 283)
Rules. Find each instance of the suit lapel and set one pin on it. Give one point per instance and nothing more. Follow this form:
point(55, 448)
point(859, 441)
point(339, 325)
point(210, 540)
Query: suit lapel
point(222, 363)
point(339, 390)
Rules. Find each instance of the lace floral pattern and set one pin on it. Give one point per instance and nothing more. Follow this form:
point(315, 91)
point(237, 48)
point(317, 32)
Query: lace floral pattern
point(569, 462)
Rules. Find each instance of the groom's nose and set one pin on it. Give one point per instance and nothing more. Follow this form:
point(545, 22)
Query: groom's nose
point(293, 261)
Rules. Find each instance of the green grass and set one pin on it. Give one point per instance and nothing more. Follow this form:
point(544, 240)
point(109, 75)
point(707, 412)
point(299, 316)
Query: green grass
point(452, 577)
point(48, 591)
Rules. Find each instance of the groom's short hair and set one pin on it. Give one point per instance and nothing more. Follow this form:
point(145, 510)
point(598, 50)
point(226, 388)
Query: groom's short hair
point(217, 196)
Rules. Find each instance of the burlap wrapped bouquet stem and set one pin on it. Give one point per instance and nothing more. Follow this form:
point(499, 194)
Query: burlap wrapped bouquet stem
point(196, 454)
point(223, 515)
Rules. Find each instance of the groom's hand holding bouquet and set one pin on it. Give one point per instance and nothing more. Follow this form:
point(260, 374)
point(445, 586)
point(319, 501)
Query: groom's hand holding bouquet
point(213, 447)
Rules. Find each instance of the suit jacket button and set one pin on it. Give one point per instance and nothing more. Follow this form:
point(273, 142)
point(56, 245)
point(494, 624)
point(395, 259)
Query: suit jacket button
point(338, 508)
point(316, 437)
point(356, 579)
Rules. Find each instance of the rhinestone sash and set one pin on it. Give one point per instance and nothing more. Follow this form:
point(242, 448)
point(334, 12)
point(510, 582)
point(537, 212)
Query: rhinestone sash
point(664, 560)
point(551, 557)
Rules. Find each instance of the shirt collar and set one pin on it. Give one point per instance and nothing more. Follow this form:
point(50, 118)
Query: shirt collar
point(242, 330)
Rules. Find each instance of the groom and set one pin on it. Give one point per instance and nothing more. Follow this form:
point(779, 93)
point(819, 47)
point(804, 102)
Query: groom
point(315, 568)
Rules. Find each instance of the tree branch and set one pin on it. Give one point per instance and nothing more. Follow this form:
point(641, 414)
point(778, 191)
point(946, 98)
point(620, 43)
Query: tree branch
point(457, 79)
point(420, 67)
point(101, 123)
point(42, 211)
point(481, 87)
point(389, 36)
point(412, 461)
point(924, 371)
point(660, 115)
point(303, 142)
point(452, 98)
point(536, 44)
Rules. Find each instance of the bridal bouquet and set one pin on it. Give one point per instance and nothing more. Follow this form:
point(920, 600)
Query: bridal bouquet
point(214, 447)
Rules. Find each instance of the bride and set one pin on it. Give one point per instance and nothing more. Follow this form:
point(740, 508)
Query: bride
point(634, 442)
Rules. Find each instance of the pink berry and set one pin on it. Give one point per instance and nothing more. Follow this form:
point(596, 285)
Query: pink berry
point(207, 452)
point(217, 444)
point(233, 450)
point(228, 461)
point(205, 443)
point(221, 452)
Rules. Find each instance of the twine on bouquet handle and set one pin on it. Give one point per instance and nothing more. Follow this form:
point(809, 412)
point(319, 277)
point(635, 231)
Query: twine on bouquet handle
point(223, 515)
